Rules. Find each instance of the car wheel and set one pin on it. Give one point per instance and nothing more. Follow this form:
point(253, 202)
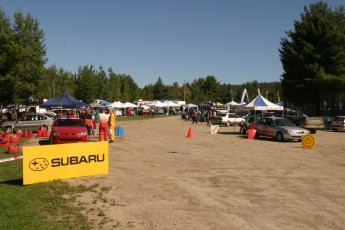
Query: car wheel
point(335, 130)
point(228, 124)
point(279, 137)
point(313, 131)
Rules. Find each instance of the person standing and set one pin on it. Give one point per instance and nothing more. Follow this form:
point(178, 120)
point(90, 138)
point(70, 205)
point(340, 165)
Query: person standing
point(88, 121)
point(194, 117)
point(14, 115)
point(97, 116)
point(111, 123)
point(103, 126)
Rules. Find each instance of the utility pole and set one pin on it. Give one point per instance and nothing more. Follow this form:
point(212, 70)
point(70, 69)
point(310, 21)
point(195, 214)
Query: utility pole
point(184, 91)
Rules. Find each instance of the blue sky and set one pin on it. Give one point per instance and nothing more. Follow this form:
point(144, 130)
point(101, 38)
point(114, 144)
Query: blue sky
point(176, 40)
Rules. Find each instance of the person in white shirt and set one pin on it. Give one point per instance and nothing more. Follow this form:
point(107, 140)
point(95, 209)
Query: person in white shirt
point(103, 126)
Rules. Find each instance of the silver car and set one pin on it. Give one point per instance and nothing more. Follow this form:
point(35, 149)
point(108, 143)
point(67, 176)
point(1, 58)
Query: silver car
point(31, 121)
point(279, 128)
point(227, 119)
point(338, 123)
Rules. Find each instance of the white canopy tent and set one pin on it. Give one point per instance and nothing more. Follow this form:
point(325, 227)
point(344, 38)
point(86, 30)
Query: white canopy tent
point(232, 105)
point(144, 107)
point(168, 103)
point(156, 103)
point(129, 105)
point(116, 104)
point(190, 106)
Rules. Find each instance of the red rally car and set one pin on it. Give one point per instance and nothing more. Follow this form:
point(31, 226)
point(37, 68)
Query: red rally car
point(68, 129)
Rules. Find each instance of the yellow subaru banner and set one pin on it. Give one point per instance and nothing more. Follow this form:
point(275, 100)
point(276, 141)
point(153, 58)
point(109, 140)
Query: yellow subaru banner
point(52, 162)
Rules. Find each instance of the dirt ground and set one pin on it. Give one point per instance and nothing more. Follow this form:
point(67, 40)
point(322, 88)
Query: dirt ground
point(159, 179)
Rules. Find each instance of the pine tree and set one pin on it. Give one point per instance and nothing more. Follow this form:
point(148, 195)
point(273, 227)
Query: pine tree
point(313, 56)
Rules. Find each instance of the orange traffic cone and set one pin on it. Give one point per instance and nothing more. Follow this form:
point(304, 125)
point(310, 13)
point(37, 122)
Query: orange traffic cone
point(189, 135)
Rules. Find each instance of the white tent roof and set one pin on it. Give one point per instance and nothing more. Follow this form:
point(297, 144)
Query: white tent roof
point(144, 106)
point(261, 103)
point(116, 104)
point(156, 103)
point(190, 105)
point(170, 104)
point(129, 105)
point(232, 103)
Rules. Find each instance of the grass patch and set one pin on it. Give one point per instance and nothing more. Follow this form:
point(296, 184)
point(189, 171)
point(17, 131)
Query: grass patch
point(37, 206)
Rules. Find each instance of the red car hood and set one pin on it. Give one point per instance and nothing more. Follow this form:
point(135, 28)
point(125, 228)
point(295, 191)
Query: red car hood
point(65, 129)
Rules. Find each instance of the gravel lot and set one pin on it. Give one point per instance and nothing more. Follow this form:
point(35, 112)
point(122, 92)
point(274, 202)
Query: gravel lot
point(159, 179)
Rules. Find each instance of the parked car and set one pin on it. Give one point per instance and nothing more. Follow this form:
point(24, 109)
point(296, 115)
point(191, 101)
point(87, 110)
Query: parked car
point(242, 113)
point(304, 121)
point(338, 123)
point(31, 121)
point(68, 129)
point(328, 121)
point(51, 115)
point(222, 109)
point(60, 112)
point(227, 119)
point(279, 128)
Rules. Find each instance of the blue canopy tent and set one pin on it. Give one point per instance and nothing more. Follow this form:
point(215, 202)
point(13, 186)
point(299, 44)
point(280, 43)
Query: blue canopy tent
point(104, 102)
point(64, 101)
point(262, 104)
point(281, 103)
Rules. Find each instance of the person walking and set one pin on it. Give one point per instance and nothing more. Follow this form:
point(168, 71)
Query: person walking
point(194, 117)
point(103, 126)
point(111, 123)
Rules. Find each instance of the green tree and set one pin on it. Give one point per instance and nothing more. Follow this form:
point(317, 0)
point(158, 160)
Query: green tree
point(49, 83)
point(225, 93)
point(158, 90)
point(313, 56)
point(186, 92)
point(6, 40)
point(24, 56)
point(56, 82)
point(100, 83)
point(173, 92)
point(147, 92)
point(114, 87)
point(129, 88)
point(197, 93)
point(86, 89)
point(211, 88)
point(66, 82)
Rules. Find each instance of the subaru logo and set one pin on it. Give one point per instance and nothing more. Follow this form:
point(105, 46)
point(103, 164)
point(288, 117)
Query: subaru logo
point(38, 164)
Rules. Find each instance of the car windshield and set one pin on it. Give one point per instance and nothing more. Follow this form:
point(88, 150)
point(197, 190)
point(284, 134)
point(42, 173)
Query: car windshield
point(222, 114)
point(69, 122)
point(284, 122)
